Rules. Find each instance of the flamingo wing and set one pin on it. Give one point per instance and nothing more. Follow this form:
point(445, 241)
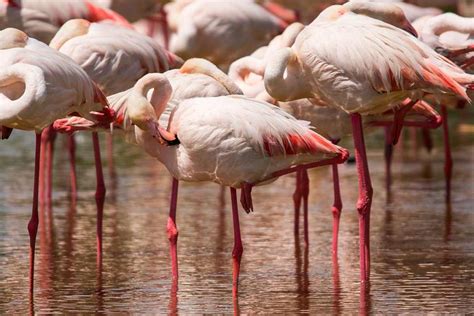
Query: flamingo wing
point(248, 124)
point(369, 50)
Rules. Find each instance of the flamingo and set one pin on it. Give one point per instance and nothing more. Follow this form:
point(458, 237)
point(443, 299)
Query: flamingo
point(330, 122)
point(59, 12)
point(240, 153)
point(196, 78)
point(115, 58)
point(39, 85)
point(33, 22)
point(273, 141)
point(411, 11)
point(236, 27)
point(452, 36)
point(362, 66)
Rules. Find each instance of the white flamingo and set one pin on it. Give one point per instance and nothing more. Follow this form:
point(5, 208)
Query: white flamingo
point(362, 66)
point(39, 85)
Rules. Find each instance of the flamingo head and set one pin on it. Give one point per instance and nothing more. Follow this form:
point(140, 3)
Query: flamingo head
point(331, 13)
point(144, 111)
point(70, 29)
point(11, 38)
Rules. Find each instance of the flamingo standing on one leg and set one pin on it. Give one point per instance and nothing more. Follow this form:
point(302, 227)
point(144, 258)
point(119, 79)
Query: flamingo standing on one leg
point(390, 66)
point(39, 85)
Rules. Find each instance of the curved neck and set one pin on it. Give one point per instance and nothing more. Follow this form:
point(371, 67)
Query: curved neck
point(283, 77)
point(452, 22)
point(162, 91)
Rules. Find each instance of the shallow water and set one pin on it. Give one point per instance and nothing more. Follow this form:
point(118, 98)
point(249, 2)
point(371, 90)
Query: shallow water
point(422, 249)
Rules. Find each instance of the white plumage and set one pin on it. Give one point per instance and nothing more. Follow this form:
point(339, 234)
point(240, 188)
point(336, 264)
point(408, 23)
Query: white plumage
point(39, 85)
point(113, 56)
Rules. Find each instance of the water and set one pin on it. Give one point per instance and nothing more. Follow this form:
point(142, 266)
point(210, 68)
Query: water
point(422, 249)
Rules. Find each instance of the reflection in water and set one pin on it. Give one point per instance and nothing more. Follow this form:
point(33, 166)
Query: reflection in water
point(422, 247)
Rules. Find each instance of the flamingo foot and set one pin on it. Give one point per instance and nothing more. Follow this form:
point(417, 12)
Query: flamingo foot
point(33, 223)
point(99, 193)
point(365, 196)
point(246, 197)
point(238, 248)
point(172, 231)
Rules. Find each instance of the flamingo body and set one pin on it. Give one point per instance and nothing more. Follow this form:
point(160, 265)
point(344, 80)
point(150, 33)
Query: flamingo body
point(40, 85)
point(236, 27)
point(113, 56)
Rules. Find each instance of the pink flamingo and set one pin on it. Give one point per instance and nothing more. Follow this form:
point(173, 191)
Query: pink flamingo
point(59, 12)
point(332, 123)
point(33, 22)
point(39, 85)
point(377, 66)
point(452, 36)
point(252, 143)
point(236, 27)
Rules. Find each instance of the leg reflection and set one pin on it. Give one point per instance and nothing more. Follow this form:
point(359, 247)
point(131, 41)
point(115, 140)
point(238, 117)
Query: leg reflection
point(302, 279)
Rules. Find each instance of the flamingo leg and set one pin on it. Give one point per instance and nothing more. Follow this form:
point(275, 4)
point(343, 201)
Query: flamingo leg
point(172, 230)
point(336, 209)
point(388, 154)
point(297, 202)
point(365, 196)
point(99, 193)
point(71, 143)
point(238, 249)
point(165, 27)
point(33, 223)
point(305, 195)
point(427, 140)
point(448, 160)
point(49, 168)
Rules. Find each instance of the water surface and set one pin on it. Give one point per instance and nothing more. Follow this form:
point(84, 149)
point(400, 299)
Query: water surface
point(422, 249)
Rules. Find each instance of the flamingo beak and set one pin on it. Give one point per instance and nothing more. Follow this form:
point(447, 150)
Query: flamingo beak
point(162, 136)
point(408, 27)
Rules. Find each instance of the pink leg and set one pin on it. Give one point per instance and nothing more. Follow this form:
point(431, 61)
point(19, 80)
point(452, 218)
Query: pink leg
point(165, 27)
point(388, 153)
point(305, 194)
point(336, 209)
point(427, 140)
point(49, 169)
point(72, 167)
point(173, 230)
point(448, 162)
point(297, 202)
point(238, 249)
point(33, 223)
point(365, 195)
point(110, 154)
point(99, 193)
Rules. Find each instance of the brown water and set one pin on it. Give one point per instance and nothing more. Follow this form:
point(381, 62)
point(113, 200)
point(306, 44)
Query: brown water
point(422, 247)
